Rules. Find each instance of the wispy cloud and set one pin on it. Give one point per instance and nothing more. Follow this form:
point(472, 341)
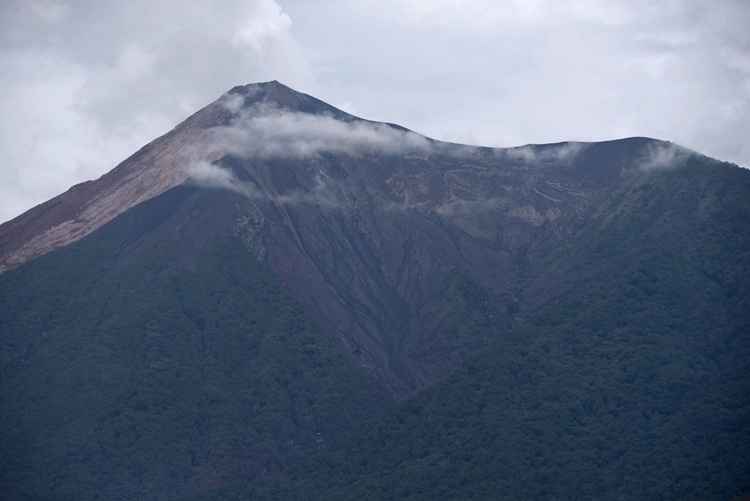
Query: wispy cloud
point(663, 155)
point(266, 131)
point(557, 153)
point(209, 175)
point(81, 107)
point(323, 193)
point(457, 208)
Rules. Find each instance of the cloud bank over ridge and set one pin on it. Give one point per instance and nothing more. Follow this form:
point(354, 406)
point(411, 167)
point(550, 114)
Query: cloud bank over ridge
point(266, 131)
point(86, 83)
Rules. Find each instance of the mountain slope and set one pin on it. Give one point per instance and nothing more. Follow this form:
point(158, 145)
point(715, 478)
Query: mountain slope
point(280, 300)
point(366, 223)
point(632, 383)
point(156, 355)
point(152, 170)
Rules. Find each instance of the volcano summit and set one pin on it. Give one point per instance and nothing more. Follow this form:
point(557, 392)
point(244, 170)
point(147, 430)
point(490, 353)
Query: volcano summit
point(280, 300)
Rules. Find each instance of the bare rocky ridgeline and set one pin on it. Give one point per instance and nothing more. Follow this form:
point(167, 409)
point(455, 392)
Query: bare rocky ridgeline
point(365, 222)
point(278, 300)
point(525, 183)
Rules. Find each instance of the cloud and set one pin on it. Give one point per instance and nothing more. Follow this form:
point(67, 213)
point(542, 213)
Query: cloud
point(205, 174)
point(542, 71)
point(264, 131)
point(87, 83)
point(464, 208)
point(323, 194)
point(663, 155)
point(563, 153)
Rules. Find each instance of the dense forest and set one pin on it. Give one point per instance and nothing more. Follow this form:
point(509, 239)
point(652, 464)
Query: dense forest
point(589, 341)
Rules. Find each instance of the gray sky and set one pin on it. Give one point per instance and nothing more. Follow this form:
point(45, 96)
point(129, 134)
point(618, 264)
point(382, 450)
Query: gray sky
point(85, 83)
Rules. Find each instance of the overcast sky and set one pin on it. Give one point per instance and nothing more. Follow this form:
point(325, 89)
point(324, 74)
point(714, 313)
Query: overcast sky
point(85, 83)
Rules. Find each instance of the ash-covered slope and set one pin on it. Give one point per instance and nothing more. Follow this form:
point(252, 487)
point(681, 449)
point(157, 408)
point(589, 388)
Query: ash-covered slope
point(156, 358)
point(367, 223)
point(164, 163)
point(630, 379)
point(152, 170)
point(280, 299)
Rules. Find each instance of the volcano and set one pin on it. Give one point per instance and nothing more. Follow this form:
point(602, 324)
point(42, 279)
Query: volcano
point(280, 300)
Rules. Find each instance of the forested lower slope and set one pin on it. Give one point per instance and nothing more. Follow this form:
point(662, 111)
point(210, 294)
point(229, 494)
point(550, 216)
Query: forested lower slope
point(321, 307)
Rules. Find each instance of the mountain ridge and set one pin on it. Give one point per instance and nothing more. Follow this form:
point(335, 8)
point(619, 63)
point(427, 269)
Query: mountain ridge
point(304, 165)
point(282, 305)
point(86, 206)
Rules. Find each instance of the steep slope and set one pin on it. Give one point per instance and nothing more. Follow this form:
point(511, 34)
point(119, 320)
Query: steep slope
point(152, 170)
point(366, 223)
point(278, 299)
point(369, 243)
point(631, 382)
point(156, 358)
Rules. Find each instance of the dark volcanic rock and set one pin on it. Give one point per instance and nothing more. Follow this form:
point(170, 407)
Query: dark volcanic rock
point(281, 300)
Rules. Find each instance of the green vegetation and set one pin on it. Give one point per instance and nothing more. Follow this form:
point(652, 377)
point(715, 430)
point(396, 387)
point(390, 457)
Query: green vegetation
point(157, 359)
point(631, 382)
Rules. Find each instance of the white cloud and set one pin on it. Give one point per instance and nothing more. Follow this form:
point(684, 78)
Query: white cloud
point(85, 83)
point(508, 73)
point(268, 132)
point(323, 193)
point(265, 132)
point(557, 153)
point(664, 156)
point(206, 174)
